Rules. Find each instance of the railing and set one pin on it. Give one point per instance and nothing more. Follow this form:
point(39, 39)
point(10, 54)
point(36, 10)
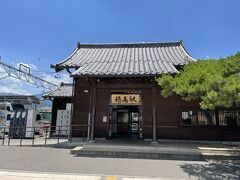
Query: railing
point(45, 134)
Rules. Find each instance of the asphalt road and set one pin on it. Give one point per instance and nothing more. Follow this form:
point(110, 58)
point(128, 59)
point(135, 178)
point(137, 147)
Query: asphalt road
point(46, 159)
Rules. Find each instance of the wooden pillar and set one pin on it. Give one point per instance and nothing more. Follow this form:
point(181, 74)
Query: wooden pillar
point(72, 110)
point(94, 92)
point(89, 114)
point(154, 116)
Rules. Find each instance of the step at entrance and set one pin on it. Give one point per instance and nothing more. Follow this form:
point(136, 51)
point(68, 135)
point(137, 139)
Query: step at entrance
point(142, 152)
point(150, 152)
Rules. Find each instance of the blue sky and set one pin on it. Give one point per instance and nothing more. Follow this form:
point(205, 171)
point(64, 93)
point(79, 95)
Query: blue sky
point(42, 32)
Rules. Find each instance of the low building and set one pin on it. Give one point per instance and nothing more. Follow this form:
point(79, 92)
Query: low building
point(116, 95)
point(21, 99)
point(61, 98)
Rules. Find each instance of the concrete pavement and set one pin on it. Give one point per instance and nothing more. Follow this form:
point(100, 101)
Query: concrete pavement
point(28, 175)
point(55, 160)
point(62, 142)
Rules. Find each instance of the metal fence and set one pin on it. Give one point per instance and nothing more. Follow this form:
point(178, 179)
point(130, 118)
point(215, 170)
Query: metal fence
point(43, 135)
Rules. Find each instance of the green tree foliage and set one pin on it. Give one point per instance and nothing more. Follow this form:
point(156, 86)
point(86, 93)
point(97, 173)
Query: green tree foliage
point(214, 83)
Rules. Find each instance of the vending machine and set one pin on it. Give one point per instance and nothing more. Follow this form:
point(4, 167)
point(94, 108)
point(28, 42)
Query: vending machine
point(22, 124)
point(18, 124)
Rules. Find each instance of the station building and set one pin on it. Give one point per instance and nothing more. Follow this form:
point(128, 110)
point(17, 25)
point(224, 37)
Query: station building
point(115, 94)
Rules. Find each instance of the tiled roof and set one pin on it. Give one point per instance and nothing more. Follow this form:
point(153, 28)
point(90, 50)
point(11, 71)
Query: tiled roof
point(65, 90)
point(136, 59)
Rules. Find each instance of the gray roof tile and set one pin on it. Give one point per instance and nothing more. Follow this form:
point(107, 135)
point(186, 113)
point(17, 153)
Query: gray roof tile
point(65, 90)
point(126, 59)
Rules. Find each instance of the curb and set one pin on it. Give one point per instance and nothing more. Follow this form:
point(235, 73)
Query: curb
point(164, 155)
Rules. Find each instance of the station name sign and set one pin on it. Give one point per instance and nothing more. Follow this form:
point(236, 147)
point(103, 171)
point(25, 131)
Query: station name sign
point(126, 99)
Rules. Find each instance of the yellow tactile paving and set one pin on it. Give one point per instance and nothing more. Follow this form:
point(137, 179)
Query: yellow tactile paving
point(111, 178)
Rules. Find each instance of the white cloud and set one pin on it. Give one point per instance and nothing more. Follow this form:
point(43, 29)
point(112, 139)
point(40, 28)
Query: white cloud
point(14, 89)
point(57, 78)
point(14, 80)
point(4, 74)
point(10, 79)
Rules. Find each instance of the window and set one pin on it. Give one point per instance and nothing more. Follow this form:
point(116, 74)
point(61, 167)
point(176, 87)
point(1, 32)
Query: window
point(134, 117)
point(122, 117)
point(18, 107)
point(8, 108)
point(38, 118)
point(8, 117)
point(198, 117)
point(46, 116)
point(230, 118)
point(2, 106)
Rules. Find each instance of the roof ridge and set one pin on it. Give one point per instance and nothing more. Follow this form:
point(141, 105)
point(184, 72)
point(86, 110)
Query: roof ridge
point(130, 44)
point(66, 84)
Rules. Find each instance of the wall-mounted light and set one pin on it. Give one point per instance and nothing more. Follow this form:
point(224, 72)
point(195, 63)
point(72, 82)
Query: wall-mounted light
point(86, 90)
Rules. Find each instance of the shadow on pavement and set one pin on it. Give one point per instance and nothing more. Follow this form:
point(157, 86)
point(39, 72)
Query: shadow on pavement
point(224, 169)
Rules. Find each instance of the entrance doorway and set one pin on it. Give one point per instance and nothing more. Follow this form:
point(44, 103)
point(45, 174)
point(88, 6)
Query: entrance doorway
point(125, 121)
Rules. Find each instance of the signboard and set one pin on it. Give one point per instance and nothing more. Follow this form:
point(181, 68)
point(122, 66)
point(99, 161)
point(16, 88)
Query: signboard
point(126, 99)
point(104, 119)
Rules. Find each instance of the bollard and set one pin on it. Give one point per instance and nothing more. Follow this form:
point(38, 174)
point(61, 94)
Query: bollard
point(8, 140)
point(33, 136)
point(70, 138)
point(46, 137)
point(21, 135)
point(58, 134)
point(4, 131)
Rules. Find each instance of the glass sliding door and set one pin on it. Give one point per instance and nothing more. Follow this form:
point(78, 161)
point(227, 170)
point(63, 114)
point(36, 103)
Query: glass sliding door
point(123, 121)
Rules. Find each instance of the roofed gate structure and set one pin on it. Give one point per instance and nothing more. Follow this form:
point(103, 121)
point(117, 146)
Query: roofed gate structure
point(60, 98)
point(116, 96)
